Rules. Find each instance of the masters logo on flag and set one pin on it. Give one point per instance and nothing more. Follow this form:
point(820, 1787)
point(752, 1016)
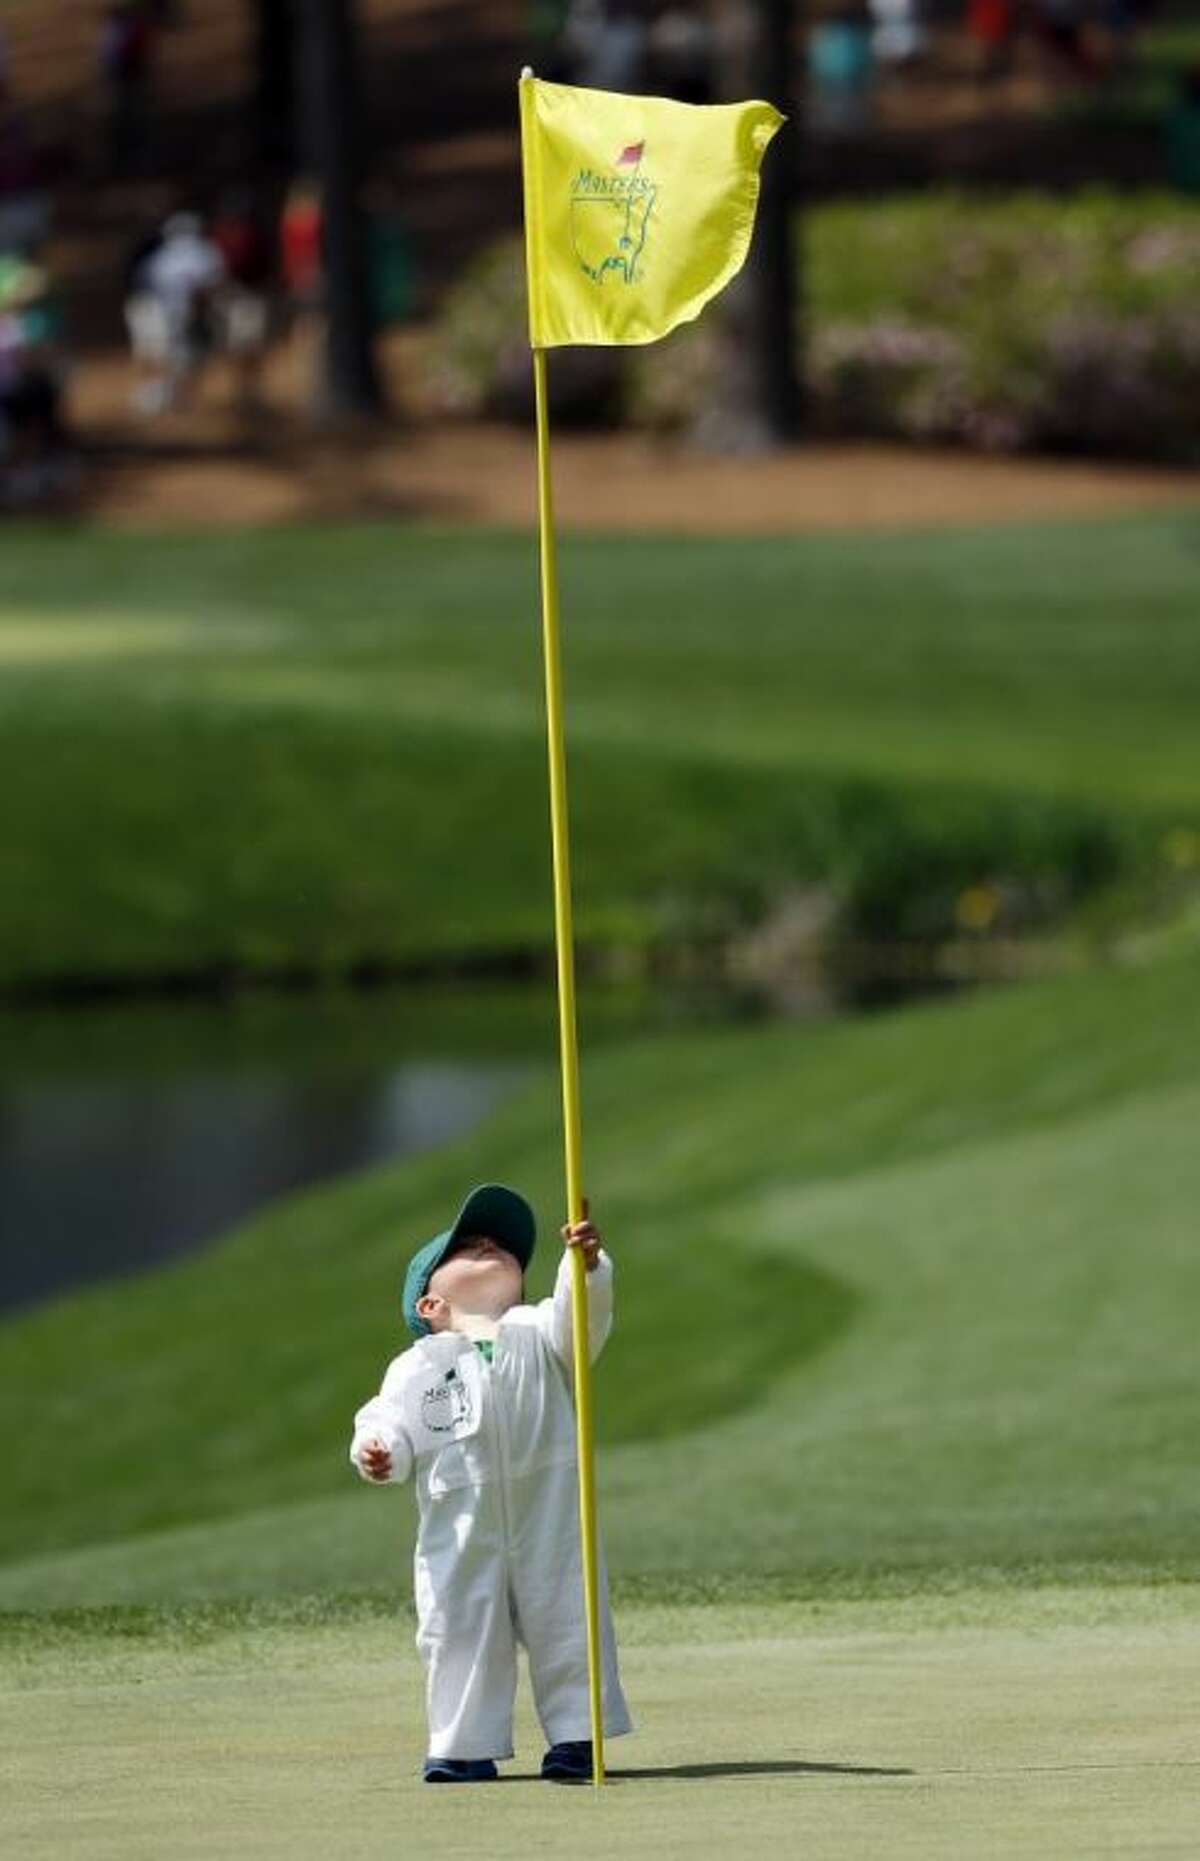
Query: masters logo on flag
point(637, 209)
point(610, 216)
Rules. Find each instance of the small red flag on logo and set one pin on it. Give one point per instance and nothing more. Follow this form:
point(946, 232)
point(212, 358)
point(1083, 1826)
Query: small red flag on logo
point(631, 156)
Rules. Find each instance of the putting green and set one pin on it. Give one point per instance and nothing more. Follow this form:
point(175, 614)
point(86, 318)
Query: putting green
point(1039, 1723)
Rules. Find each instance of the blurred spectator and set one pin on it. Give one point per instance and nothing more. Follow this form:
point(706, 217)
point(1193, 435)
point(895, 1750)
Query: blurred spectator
point(992, 27)
point(546, 25)
point(681, 53)
point(1123, 20)
point(302, 245)
point(391, 259)
point(240, 235)
point(899, 34)
point(1183, 135)
point(841, 72)
point(144, 246)
point(606, 43)
point(35, 458)
point(169, 312)
point(302, 260)
point(125, 57)
point(1062, 28)
point(242, 307)
point(24, 206)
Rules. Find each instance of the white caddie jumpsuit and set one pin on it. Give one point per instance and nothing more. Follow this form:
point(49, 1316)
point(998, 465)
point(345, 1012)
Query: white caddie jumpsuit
point(497, 1558)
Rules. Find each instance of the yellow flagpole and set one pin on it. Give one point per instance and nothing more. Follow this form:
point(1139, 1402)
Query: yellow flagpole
point(564, 942)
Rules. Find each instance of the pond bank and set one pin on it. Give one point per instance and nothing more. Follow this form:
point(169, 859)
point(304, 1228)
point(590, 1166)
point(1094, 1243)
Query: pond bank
point(133, 1132)
point(137, 1125)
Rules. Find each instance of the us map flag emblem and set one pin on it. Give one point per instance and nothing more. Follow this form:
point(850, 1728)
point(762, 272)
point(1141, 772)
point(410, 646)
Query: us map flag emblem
point(610, 216)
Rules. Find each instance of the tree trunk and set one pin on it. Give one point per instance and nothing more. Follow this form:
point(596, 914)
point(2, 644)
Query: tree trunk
point(274, 83)
point(349, 385)
point(756, 401)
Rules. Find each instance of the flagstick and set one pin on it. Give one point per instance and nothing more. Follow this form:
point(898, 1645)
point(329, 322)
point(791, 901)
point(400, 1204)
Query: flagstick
point(569, 1054)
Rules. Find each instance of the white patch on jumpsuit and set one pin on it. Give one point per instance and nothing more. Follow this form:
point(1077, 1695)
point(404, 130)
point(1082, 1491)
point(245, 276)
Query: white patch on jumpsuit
point(497, 1559)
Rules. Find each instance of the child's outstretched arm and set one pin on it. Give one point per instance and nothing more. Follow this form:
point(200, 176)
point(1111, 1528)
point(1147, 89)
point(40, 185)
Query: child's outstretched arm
point(555, 1314)
point(380, 1448)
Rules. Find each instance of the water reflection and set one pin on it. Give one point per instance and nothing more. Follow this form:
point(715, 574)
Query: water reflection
point(134, 1132)
point(106, 1177)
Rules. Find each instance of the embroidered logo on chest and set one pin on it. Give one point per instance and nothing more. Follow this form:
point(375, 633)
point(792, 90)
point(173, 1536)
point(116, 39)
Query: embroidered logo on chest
point(446, 1406)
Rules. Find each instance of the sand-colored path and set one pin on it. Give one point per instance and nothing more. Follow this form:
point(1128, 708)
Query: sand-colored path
point(619, 482)
point(210, 466)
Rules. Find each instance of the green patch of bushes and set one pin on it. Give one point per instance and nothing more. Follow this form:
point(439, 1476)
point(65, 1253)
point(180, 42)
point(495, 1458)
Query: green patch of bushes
point(916, 862)
point(1017, 322)
point(1021, 321)
point(324, 753)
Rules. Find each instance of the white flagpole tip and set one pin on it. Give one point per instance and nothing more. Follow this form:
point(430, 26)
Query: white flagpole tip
point(526, 71)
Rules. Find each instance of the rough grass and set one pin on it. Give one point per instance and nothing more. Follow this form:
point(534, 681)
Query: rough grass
point(899, 1300)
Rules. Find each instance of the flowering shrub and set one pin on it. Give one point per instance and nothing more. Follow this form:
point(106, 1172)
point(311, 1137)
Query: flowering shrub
point(1109, 378)
point(479, 364)
point(1016, 322)
point(889, 375)
point(1001, 323)
point(480, 339)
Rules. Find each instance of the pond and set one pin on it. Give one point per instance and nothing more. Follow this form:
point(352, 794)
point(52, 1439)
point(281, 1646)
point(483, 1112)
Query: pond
point(133, 1133)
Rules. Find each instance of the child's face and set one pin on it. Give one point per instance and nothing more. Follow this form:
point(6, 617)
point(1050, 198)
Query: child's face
point(479, 1276)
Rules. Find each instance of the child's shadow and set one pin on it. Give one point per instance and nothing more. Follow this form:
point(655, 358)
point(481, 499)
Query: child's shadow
point(767, 1767)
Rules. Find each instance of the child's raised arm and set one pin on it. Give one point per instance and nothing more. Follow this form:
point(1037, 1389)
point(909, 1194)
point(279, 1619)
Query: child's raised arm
point(554, 1314)
point(380, 1448)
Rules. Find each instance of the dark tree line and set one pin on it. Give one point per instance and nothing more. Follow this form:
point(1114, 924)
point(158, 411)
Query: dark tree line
point(308, 113)
point(755, 403)
point(274, 82)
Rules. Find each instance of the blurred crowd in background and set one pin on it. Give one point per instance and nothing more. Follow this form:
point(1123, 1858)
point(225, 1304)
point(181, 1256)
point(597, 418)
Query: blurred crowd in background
point(33, 457)
point(673, 49)
point(201, 282)
point(228, 276)
point(1073, 41)
point(193, 286)
point(629, 45)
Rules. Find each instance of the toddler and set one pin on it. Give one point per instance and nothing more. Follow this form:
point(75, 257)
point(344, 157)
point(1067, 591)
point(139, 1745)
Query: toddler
point(480, 1410)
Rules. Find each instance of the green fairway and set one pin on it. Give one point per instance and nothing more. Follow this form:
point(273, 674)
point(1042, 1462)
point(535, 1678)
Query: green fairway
point(921, 1730)
point(312, 750)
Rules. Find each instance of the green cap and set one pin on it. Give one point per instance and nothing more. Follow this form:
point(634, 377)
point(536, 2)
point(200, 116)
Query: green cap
point(490, 1209)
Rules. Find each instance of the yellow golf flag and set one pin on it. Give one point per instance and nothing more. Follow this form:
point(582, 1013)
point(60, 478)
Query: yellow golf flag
point(637, 209)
